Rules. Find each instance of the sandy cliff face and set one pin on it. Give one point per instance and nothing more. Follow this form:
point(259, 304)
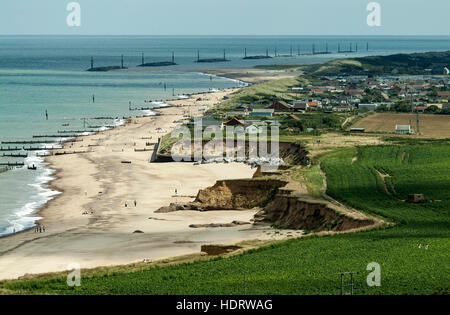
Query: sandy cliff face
point(293, 213)
point(238, 194)
point(282, 211)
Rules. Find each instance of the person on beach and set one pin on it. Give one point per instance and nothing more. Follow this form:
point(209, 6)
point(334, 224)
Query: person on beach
point(126, 204)
point(43, 228)
point(135, 203)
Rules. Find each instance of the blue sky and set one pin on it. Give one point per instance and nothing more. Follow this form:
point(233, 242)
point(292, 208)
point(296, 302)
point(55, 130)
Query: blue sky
point(225, 17)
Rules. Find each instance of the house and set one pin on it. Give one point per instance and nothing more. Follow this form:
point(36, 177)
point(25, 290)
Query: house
point(253, 129)
point(237, 113)
point(371, 107)
point(354, 92)
point(263, 112)
point(440, 71)
point(313, 105)
point(205, 122)
point(300, 106)
point(403, 129)
point(280, 106)
point(420, 108)
point(443, 93)
point(233, 122)
point(341, 109)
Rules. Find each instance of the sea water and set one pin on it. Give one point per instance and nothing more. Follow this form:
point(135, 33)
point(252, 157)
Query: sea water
point(47, 74)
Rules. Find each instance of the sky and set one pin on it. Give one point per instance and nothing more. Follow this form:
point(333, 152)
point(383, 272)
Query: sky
point(225, 17)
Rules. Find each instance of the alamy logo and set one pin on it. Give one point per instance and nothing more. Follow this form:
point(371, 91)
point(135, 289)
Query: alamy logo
point(74, 278)
point(74, 17)
point(374, 17)
point(219, 143)
point(374, 278)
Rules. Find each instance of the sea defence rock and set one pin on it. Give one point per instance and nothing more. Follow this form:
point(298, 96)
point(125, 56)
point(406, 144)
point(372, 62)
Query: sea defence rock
point(213, 250)
point(104, 69)
point(217, 225)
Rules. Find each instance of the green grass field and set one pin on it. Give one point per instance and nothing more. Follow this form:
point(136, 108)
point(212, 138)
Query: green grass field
point(311, 265)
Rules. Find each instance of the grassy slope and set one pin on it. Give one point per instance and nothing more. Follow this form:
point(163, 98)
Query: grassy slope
point(310, 265)
point(271, 90)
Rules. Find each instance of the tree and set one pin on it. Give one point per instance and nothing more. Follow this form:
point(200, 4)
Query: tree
point(432, 109)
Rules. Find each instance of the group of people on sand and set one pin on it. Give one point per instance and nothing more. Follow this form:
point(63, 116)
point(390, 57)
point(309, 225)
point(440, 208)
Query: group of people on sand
point(134, 202)
point(39, 229)
point(87, 212)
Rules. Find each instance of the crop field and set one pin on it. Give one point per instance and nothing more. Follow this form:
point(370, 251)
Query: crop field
point(310, 265)
point(434, 126)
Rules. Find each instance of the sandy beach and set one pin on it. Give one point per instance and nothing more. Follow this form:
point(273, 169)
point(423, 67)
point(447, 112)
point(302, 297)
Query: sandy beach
point(97, 182)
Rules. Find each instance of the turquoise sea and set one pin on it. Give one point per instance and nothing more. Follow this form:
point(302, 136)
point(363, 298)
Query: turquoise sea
point(47, 73)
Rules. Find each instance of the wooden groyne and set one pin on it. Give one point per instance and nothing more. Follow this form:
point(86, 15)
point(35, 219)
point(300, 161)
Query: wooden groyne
point(28, 142)
point(12, 164)
point(13, 155)
point(74, 131)
point(56, 136)
point(43, 154)
point(70, 152)
point(8, 149)
point(39, 141)
point(41, 148)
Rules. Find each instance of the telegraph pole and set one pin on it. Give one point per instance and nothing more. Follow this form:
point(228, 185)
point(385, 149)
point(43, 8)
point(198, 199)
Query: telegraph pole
point(351, 285)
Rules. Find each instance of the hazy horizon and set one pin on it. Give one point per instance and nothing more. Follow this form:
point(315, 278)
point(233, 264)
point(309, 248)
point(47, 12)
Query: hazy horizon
point(226, 18)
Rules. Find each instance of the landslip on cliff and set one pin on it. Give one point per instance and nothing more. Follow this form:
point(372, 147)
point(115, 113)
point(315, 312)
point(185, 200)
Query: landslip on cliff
point(277, 208)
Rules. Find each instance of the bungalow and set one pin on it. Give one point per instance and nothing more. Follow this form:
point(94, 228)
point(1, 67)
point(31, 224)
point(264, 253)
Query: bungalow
point(403, 129)
point(280, 106)
point(341, 109)
point(263, 112)
point(443, 93)
point(370, 107)
point(233, 122)
point(253, 129)
point(319, 90)
point(313, 105)
point(354, 92)
point(440, 71)
point(237, 113)
point(205, 122)
point(300, 106)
